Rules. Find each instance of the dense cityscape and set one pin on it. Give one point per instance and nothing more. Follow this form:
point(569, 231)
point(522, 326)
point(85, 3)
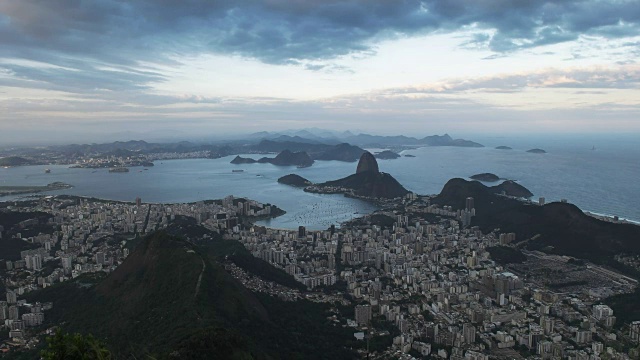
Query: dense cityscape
point(430, 276)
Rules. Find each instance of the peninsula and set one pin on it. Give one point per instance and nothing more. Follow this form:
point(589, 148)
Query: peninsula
point(367, 182)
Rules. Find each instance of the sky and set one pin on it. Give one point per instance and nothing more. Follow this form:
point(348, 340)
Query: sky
point(78, 70)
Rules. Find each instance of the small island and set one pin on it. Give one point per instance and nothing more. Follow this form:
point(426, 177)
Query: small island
point(536, 151)
point(410, 156)
point(284, 158)
point(486, 177)
point(19, 190)
point(294, 180)
point(387, 155)
point(240, 160)
point(502, 147)
point(119, 170)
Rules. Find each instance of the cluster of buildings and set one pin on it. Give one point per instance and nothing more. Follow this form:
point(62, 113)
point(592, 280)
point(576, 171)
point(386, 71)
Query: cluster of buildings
point(438, 284)
point(435, 281)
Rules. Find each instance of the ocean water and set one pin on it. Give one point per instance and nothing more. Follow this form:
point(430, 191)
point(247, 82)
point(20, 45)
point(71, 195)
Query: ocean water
point(604, 180)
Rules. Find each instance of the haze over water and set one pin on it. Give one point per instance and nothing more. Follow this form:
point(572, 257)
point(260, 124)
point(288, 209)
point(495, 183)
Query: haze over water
point(603, 180)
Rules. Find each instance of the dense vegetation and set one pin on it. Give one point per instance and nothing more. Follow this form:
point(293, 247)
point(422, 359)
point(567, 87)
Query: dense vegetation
point(75, 347)
point(625, 307)
point(562, 228)
point(506, 255)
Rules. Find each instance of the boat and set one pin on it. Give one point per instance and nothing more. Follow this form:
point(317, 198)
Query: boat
point(238, 171)
point(47, 171)
point(119, 170)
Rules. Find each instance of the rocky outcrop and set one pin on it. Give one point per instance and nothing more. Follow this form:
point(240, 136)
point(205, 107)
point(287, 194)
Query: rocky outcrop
point(387, 155)
point(294, 180)
point(370, 184)
point(240, 160)
point(368, 181)
point(367, 163)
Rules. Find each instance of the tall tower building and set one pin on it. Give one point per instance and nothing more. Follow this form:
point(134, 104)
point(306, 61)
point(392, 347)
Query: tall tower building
point(469, 204)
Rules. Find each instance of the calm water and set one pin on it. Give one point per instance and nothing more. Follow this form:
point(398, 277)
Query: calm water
point(603, 180)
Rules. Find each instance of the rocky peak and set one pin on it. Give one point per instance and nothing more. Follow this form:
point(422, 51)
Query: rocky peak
point(367, 162)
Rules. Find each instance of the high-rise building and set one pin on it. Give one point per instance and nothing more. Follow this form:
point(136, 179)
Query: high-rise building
point(138, 201)
point(14, 313)
point(469, 333)
point(302, 232)
point(66, 262)
point(100, 258)
point(12, 298)
point(469, 204)
point(634, 331)
point(363, 314)
point(3, 311)
point(541, 200)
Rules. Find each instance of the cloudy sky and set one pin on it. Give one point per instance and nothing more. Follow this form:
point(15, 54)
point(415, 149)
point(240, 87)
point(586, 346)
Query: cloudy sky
point(101, 69)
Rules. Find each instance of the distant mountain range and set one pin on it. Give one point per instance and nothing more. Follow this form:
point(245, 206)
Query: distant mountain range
point(363, 139)
point(318, 144)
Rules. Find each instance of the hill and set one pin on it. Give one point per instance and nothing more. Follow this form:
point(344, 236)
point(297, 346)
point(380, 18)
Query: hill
point(171, 298)
point(14, 161)
point(370, 184)
point(561, 228)
point(294, 180)
point(368, 181)
point(241, 160)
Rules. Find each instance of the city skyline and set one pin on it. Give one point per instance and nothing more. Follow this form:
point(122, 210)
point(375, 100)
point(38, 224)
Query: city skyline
point(72, 70)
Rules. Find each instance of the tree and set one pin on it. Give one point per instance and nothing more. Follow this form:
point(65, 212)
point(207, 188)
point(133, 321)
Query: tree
point(75, 347)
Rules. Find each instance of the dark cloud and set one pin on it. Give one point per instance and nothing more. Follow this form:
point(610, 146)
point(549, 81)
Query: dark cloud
point(279, 31)
point(85, 37)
